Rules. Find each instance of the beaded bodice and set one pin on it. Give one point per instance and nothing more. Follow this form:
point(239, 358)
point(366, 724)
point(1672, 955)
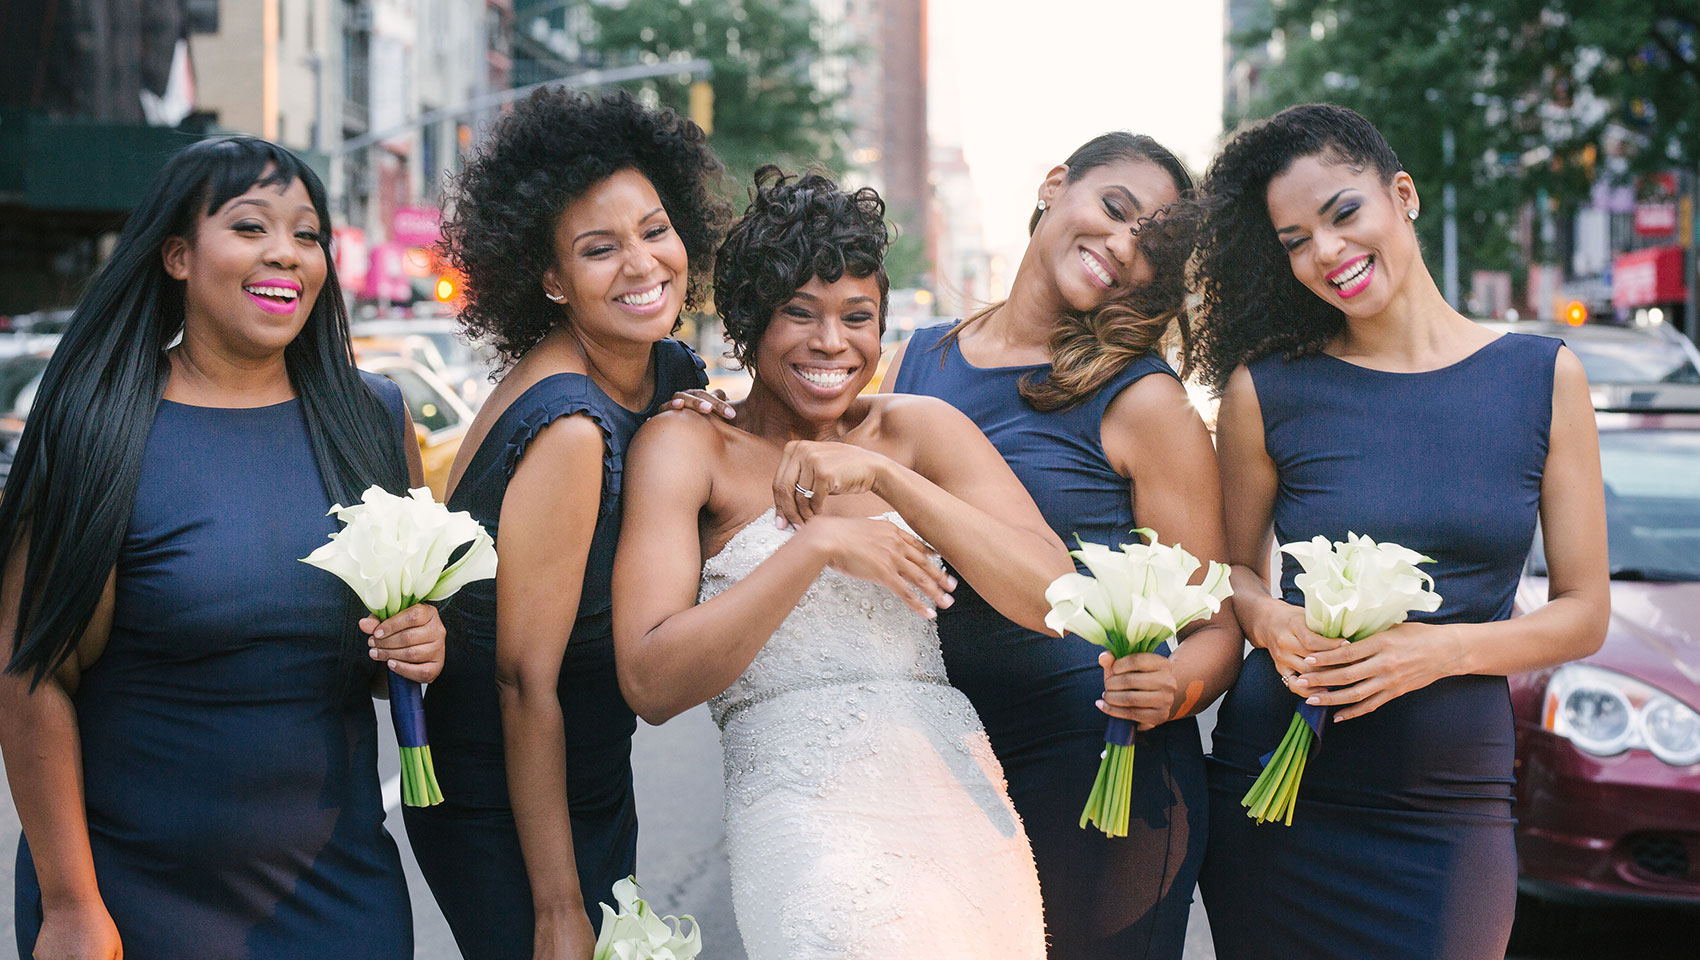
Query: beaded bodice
point(844, 631)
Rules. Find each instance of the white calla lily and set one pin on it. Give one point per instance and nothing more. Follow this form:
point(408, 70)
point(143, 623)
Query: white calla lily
point(636, 932)
point(394, 551)
point(1360, 587)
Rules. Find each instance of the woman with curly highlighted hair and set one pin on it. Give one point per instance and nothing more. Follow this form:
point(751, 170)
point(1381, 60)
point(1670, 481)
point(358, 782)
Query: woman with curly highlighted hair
point(1065, 379)
point(1355, 399)
point(781, 567)
point(583, 228)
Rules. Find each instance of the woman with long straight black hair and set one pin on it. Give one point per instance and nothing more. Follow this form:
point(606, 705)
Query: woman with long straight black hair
point(184, 711)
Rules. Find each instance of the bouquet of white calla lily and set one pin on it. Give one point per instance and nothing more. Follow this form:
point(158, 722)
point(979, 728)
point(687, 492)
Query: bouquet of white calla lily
point(395, 552)
point(1352, 590)
point(636, 932)
point(1136, 599)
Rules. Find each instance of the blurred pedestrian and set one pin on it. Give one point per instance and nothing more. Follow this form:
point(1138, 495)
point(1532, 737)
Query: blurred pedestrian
point(186, 714)
point(1066, 380)
point(583, 228)
point(1354, 398)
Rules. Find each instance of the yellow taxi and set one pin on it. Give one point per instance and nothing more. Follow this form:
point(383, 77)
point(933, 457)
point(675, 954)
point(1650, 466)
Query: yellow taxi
point(440, 418)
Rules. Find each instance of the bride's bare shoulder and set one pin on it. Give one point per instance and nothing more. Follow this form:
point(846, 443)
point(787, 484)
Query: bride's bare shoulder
point(911, 417)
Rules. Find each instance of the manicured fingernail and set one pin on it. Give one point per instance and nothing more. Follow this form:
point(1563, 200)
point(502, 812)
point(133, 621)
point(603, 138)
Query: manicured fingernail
point(1300, 682)
point(779, 522)
point(379, 632)
point(946, 600)
point(706, 406)
point(1100, 705)
point(950, 582)
point(1338, 718)
point(371, 642)
point(1310, 659)
point(929, 613)
point(730, 413)
point(394, 664)
point(1313, 700)
point(1343, 643)
point(377, 654)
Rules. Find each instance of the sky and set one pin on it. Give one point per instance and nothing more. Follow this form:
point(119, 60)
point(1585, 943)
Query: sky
point(1020, 83)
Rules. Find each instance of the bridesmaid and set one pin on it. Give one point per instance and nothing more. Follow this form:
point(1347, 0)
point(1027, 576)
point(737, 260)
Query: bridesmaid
point(582, 229)
point(1065, 380)
point(185, 714)
point(1355, 399)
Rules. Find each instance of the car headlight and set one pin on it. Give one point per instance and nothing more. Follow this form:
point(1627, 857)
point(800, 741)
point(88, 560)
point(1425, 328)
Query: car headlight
point(1605, 713)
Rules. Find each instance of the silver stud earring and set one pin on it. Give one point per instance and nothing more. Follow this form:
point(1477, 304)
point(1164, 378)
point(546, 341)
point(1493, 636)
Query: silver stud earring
point(1412, 213)
point(1041, 206)
point(555, 299)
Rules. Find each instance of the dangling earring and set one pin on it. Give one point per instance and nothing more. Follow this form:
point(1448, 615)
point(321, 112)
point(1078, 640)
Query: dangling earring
point(553, 298)
point(1412, 213)
point(1041, 206)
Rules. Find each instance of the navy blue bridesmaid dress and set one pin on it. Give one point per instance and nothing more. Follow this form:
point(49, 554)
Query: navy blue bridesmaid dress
point(1126, 897)
point(1401, 845)
point(468, 847)
point(228, 736)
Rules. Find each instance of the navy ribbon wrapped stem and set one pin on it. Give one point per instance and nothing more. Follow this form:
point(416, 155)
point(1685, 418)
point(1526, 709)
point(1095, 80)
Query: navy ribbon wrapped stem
point(407, 709)
point(1315, 716)
point(1119, 732)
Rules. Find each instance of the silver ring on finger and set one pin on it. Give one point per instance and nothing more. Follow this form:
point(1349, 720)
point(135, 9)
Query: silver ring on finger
point(1286, 681)
point(806, 493)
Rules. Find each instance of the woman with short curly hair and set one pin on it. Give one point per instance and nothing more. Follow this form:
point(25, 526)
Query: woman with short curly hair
point(780, 566)
point(1355, 399)
point(1067, 379)
point(583, 228)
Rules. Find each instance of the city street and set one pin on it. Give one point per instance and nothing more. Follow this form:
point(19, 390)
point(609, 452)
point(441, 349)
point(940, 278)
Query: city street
point(683, 860)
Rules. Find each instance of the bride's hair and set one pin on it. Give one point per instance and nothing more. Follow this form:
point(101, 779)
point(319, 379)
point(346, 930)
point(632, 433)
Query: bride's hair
point(795, 229)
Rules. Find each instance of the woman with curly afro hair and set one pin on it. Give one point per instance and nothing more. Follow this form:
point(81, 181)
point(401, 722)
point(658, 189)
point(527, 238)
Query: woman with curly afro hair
point(1065, 379)
point(1354, 399)
point(781, 566)
point(583, 228)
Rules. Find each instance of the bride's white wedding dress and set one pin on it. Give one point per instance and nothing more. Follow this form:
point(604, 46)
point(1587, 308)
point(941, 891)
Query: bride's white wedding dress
point(866, 816)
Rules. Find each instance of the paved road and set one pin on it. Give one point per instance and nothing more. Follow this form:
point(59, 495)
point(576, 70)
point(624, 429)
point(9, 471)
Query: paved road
point(683, 861)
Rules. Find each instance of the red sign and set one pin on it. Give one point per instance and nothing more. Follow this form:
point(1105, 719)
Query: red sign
point(1655, 219)
point(1646, 277)
point(348, 247)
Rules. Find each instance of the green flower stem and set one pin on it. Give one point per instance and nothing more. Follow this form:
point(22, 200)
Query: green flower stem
point(1110, 805)
point(1275, 793)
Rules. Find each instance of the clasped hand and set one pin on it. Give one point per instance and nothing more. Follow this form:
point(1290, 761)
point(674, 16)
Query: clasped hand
point(411, 642)
point(1358, 678)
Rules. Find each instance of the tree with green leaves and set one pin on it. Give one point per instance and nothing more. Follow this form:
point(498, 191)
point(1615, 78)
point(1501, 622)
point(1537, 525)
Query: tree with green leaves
point(1541, 97)
point(768, 105)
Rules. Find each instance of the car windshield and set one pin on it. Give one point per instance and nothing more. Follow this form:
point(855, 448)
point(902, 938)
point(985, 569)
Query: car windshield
point(1652, 485)
point(19, 378)
point(1638, 360)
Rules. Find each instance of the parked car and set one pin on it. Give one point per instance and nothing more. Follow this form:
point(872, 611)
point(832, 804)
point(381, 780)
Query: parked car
point(1642, 356)
point(1608, 747)
point(440, 418)
point(438, 345)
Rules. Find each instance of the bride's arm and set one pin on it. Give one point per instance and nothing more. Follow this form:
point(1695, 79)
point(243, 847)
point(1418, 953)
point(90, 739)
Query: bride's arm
point(954, 489)
point(672, 653)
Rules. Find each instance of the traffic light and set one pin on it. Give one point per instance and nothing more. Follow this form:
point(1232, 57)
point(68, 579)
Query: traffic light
point(1575, 313)
point(445, 289)
point(702, 105)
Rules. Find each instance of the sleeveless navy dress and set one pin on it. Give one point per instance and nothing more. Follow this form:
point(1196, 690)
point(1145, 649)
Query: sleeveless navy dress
point(468, 847)
point(229, 741)
point(1126, 897)
point(1401, 844)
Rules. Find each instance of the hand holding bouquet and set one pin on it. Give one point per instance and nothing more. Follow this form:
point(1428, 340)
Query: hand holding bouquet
point(396, 552)
point(1137, 599)
point(637, 933)
point(1352, 590)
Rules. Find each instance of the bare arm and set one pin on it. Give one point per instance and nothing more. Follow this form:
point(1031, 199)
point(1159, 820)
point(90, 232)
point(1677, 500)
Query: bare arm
point(1572, 624)
point(43, 751)
point(957, 493)
point(1248, 504)
point(673, 653)
point(1153, 433)
point(547, 520)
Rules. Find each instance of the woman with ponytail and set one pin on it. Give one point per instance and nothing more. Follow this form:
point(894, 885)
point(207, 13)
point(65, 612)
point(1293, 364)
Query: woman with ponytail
point(1060, 378)
point(184, 710)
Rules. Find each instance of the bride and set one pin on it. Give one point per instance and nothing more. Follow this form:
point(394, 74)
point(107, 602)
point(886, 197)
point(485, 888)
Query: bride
point(781, 567)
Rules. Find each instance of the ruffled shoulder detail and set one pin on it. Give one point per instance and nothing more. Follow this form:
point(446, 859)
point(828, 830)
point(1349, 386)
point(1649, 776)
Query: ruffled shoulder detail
point(678, 368)
point(565, 395)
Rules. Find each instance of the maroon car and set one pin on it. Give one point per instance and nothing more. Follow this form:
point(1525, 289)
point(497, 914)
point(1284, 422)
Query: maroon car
point(1608, 748)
